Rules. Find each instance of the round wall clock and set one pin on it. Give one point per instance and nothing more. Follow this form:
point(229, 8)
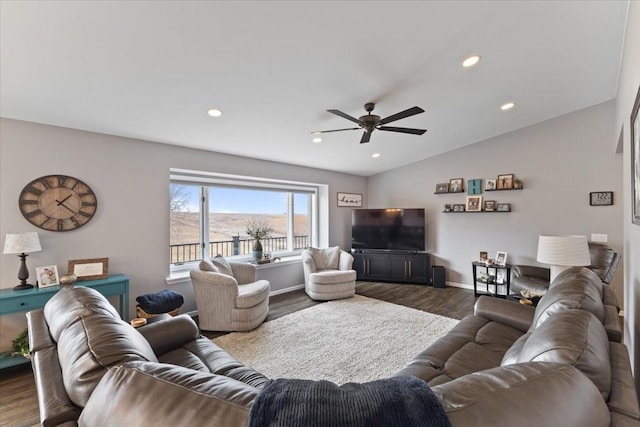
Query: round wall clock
point(57, 203)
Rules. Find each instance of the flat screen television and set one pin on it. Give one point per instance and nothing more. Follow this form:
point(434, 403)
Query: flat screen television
point(388, 230)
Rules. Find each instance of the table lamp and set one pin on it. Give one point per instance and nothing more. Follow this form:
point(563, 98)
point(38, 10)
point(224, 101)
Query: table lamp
point(22, 244)
point(562, 252)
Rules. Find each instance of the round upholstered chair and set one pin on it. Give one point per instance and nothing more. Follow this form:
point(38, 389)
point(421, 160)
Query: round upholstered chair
point(328, 274)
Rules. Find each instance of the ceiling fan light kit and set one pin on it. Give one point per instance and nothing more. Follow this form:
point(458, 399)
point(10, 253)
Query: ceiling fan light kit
point(370, 122)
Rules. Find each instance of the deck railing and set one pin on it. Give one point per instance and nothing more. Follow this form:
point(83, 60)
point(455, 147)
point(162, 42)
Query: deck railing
point(185, 252)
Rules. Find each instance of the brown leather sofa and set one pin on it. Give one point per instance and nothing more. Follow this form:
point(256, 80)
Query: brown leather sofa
point(604, 262)
point(505, 365)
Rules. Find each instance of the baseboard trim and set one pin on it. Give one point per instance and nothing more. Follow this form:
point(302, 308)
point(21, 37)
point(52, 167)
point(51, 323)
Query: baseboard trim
point(286, 290)
point(459, 285)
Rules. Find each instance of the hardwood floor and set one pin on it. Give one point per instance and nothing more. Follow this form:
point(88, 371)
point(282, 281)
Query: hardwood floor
point(18, 400)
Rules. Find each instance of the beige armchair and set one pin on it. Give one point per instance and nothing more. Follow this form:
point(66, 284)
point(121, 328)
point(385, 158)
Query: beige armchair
point(228, 296)
point(328, 274)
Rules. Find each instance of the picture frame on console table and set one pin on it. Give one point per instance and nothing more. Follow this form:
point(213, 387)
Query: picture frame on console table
point(635, 161)
point(47, 276)
point(89, 269)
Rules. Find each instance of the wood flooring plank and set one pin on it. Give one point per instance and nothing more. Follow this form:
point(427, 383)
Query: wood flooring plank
point(18, 399)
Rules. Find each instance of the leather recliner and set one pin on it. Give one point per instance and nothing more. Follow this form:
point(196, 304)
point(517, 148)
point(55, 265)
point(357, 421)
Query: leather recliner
point(604, 262)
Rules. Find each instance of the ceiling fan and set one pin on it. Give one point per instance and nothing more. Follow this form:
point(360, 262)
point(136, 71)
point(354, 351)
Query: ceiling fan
point(371, 122)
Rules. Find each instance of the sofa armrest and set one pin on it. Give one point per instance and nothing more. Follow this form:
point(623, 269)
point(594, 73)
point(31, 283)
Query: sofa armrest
point(168, 334)
point(55, 406)
point(558, 394)
point(508, 313)
point(346, 261)
point(532, 271)
point(623, 398)
point(611, 323)
point(243, 272)
point(167, 395)
point(609, 297)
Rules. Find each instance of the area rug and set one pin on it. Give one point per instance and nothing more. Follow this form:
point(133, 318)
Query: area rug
point(357, 339)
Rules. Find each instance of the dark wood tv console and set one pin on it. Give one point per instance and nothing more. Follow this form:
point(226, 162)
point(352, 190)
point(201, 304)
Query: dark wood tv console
point(405, 267)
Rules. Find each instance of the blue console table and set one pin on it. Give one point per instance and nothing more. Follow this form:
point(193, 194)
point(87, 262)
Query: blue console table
point(32, 299)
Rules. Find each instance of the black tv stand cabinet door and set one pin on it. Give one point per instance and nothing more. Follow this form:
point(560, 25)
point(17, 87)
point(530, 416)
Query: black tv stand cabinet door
point(392, 267)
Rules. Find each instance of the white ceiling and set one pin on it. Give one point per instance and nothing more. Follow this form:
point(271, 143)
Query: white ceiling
point(151, 70)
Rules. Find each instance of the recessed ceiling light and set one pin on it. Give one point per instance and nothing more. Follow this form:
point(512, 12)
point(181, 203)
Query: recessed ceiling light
point(317, 140)
point(214, 113)
point(375, 155)
point(507, 106)
point(471, 61)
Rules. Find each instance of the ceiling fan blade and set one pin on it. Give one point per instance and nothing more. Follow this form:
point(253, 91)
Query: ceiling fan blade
point(401, 115)
point(344, 115)
point(403, 130)
point(366, 136)
point(318, 132)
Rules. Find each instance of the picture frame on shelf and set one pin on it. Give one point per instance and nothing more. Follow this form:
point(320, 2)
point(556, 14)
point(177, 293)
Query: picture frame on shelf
point(456, 185)
point(474, 186)
point(489, 205)
point(447, 207)
point(490, 185)
point(89, 269)
point(635, 161)
point(501, 259)
point(47, 276)
point(458, 208)
point(442, 188)
point(503, 207)
point(353, 200)
point(504, 182)
point(484, 255)
point(500, 277)
point(474, 203)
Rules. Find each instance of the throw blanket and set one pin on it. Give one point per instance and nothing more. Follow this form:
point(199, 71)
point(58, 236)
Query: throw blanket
point(397, 402)
point(161, 302)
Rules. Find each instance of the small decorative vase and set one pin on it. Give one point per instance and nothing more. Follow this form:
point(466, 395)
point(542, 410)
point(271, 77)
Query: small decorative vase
point(257, 250)
point(68, 280)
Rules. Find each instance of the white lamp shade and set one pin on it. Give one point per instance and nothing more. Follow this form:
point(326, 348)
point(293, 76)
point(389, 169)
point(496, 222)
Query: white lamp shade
point(563, 250)
point(22, 243)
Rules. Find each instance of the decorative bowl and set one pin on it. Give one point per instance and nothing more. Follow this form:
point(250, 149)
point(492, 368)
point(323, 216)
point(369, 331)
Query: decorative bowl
point(68, 279)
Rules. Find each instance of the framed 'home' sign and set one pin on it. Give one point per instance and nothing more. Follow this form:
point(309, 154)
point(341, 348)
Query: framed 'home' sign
point(350, 200)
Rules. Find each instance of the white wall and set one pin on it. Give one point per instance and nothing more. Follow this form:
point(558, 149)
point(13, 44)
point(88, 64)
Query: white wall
point(629, 82)
point(560, 161)
point(131, 180)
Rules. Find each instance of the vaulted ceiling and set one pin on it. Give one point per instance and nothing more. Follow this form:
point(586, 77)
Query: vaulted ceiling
point(152, 70)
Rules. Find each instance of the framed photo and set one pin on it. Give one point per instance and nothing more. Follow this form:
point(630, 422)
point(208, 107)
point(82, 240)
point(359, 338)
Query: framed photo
point(350, 199)
point(504, 182)
point(458, 208)
point(483, 256)
point(635, 161)
point(89, 269)
point(503, 207)
point(456, 185)
point(447, 207)
point(490, 205)
point(490, 185)
point(601, 198)
point(47, 276)
point(501, 259)
point(474, 203)
point(500, 277)
point(442, 188)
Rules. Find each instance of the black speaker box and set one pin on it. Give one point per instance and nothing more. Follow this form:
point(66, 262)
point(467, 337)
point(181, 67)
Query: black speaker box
point(437, 276)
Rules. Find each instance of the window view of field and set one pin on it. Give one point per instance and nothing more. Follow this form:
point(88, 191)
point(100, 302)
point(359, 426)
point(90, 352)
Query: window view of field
point(228, 230)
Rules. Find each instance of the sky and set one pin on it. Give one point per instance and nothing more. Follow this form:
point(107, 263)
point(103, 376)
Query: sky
point(233, 200)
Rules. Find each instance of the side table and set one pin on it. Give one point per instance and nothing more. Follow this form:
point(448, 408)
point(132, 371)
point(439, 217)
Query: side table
point(497, 271)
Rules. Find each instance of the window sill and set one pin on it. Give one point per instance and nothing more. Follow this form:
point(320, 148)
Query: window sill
point(182, 276)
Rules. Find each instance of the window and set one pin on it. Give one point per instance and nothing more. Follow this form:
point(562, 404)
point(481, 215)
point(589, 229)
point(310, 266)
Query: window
point(209, 215)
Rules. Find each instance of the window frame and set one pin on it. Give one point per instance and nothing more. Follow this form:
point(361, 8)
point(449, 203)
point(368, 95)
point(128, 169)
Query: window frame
point(210, 179)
